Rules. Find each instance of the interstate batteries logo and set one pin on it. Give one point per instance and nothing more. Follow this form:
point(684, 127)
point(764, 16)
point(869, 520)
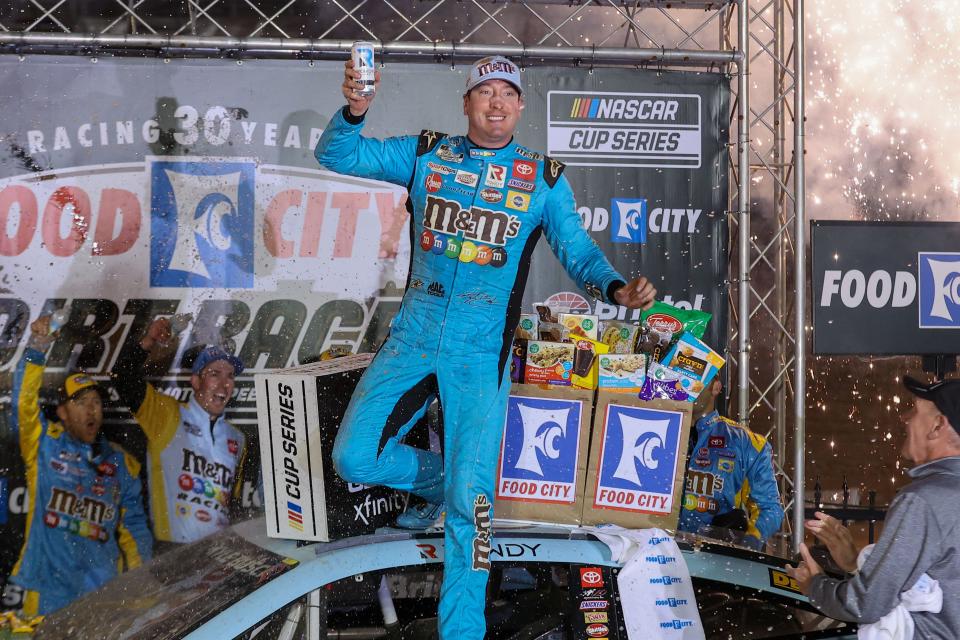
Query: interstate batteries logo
point(624, 129)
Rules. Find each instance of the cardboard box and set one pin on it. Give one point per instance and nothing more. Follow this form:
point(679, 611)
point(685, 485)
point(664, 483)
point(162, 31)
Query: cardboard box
point(581, 324)
point(543, 457)
point(622, 373)
point(548, 363)
point(584, 373)
point(299, 411)
point(637, 462)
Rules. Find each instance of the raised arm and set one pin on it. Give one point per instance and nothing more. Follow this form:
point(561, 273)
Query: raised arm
point(27, 421)
point(342, 149)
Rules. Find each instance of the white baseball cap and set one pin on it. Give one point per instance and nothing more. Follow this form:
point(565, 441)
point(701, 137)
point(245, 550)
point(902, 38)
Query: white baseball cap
point(494, 68)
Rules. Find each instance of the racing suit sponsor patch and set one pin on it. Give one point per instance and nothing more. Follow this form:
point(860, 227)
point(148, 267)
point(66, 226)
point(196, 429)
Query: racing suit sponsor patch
point(481, 541)
point(467, 178)
point(444, 152)
point(496, 176)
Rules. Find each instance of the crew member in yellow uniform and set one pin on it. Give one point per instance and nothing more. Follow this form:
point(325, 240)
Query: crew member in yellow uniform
point(193, 454)
point(730, 481)
point(86, 520)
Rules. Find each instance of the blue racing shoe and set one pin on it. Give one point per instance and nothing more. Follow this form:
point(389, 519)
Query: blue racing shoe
point(425, 516)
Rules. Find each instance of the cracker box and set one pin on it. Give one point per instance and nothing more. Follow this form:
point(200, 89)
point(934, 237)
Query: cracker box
point(622, 373)
point(529, 326)
point(637, 461)
point(585, 352)
point(696, 363)
point(548, 363)
point(299, 411)
point(621, 337)
point(581, 324)
point(543, 455)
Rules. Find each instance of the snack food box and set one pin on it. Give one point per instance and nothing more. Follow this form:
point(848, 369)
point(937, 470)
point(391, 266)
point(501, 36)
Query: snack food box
point(624, 373)
point(696, 363)
point(518, 359)
point(584, 375)
point(548, 363)
point(528, 327)
point(621, 337)
point(585, 325)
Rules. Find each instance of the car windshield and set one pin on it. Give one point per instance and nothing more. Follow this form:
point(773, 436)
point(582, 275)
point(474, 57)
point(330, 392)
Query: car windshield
point(172, 594)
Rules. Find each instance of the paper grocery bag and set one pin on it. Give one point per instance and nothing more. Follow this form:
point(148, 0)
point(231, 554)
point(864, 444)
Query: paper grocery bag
point(543, 456)
point(637, 462)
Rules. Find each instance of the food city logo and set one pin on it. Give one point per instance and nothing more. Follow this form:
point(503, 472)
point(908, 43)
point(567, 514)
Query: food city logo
point(660, 559)
point(671, 602)
point(638, 459)
point(624, 129)
point(210, 221)
point(939, 290)
point(539, 454)
point(935, 287)
point(676, 624)
point(629, 220)
point(202, 224)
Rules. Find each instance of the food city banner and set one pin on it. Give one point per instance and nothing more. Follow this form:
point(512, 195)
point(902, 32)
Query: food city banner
point(886, 288)
point(132, 188)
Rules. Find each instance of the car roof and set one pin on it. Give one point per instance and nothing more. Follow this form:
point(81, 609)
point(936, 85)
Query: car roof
point(323, 563)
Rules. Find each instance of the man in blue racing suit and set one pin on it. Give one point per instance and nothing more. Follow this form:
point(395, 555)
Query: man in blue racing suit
point(86, 520)
point(730, 480)
point(479, 203)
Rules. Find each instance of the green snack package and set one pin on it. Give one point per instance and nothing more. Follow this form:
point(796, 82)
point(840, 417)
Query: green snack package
point(663, 324)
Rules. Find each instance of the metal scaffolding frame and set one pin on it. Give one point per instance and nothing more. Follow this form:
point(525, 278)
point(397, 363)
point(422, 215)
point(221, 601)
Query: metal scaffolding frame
point(748, 39)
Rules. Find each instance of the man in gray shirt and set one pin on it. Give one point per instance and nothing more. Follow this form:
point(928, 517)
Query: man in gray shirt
point(921, 533)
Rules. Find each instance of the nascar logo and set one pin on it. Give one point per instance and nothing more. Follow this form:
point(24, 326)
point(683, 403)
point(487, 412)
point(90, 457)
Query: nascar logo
point(631, 109)
point(295, 516)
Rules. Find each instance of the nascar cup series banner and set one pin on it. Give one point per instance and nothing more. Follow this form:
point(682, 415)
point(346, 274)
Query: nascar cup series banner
point(886, 288)
point(137, 188)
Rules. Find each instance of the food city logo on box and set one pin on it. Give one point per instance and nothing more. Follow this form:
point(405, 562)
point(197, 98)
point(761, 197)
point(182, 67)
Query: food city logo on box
point(539, 454)
point(935, 287)
point(639, 451)
point(624, 129)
